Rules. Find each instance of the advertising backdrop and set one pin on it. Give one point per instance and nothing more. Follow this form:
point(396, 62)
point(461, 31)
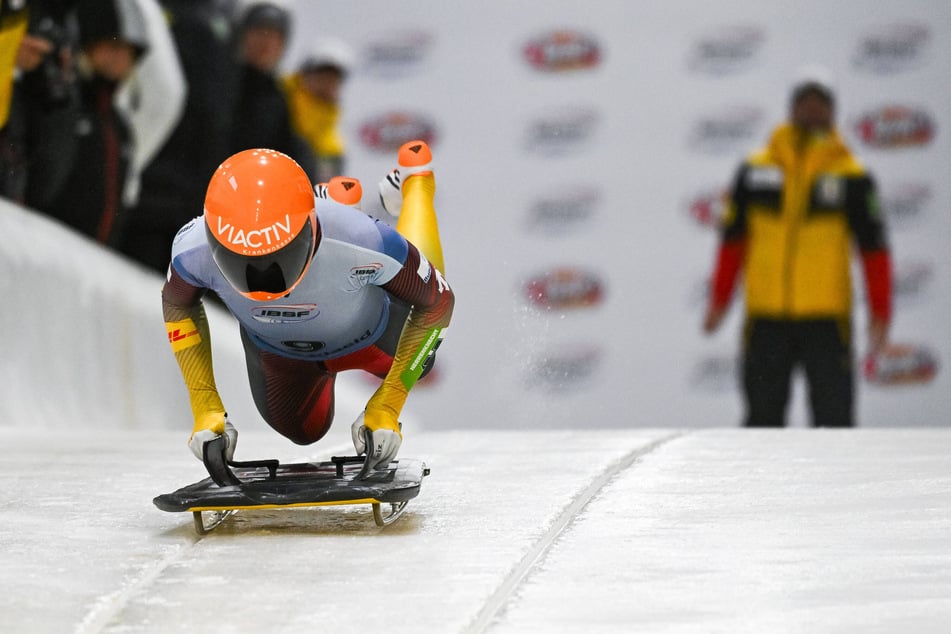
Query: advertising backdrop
point(581, 151)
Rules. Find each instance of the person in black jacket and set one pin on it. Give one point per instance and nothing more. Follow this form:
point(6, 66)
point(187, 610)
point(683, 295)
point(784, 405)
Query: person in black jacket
point(174, 182)
point(112, 37)
point(262, 116)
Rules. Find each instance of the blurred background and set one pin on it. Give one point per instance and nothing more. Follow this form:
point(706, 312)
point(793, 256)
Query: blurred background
point(581, 150)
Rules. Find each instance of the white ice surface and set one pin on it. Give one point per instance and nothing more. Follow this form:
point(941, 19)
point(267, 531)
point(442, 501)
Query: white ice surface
point(574, 531)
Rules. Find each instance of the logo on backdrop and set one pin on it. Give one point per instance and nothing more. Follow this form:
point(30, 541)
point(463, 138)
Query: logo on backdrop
point(562, 212)
point(892, 48)
point(396, 54)
point(560, 131)
point(564, 369)
point(731, 129)
point(892, 127)
point(727, 50)
point(912, 278)
point(563, 50)
point(706, 208)
point(905, 203)
point(716, 373)
point(388, 131)
point(565, 288)
point(901, 364)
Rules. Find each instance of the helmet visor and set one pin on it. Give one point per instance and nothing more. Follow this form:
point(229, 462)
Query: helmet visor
point(272, 274)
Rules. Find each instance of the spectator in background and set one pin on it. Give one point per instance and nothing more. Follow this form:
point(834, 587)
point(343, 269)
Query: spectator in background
point(313, 94)
point(794, 212)
point(42, 108)
point(173, 183)
point(152, 100)
point(112, 37)
point(14, 18)
point(262, 118)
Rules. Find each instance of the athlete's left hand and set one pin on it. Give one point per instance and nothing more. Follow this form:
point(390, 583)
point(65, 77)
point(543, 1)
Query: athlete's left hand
point(379, 436)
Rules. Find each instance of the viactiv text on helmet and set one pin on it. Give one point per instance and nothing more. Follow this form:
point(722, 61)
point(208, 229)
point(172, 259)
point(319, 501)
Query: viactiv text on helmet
point(257, 241)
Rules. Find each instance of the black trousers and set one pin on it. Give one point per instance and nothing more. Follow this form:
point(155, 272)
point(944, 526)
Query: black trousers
point(774, 348)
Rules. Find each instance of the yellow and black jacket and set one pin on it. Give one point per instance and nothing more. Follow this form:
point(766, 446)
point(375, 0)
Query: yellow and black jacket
point(314, 120)
point(796, 208)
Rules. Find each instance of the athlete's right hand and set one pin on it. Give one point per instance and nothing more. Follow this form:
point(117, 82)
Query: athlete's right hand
point(210, 427)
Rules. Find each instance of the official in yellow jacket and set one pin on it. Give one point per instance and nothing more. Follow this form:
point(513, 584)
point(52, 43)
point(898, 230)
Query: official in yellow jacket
point(797, 209)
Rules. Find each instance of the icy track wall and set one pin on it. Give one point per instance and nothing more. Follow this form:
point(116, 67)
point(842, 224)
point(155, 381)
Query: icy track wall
point(84, 340)
point(85, 344)
point(581, 148)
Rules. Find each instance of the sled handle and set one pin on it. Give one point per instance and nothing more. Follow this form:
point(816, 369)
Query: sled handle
point(271, 464)
point(339, 461)
point(213, 455)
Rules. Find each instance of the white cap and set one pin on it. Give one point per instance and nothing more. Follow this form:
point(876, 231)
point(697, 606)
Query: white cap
point(329, 52)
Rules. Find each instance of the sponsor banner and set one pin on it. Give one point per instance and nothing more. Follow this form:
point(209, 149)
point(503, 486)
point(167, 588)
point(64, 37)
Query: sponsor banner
point(894, 127)
point(386, 132)
point(397, 54)
point(563, 212)
point(563, 50)
point(565, 288)
point(912, 279)
point(904, 204)
point(729, 130)
point(892, 48)
point(568, 95)
point(727, 50)
point(562, 130)
point(902, 364)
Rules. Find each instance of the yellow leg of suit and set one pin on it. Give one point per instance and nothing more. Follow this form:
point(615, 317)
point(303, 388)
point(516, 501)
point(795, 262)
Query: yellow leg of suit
point(417, 220)
point(417, 223)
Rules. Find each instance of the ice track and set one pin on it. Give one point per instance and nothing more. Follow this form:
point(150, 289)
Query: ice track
point(594, 531)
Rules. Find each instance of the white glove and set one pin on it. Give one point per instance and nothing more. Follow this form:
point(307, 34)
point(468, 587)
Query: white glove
point(197, 442)
point(385, 444)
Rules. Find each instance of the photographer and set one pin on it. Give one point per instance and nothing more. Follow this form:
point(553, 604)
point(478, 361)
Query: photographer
point(112, 38)
point(33, 160)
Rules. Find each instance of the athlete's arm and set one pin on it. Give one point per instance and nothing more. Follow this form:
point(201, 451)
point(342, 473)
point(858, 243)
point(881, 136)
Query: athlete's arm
point(422, 286)
point(190, 338)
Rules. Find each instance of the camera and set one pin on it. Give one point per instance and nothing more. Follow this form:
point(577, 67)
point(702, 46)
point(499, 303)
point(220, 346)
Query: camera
point(52, 82)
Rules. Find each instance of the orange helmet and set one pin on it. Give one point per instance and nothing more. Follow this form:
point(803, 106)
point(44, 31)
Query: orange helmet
point(260, 223)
